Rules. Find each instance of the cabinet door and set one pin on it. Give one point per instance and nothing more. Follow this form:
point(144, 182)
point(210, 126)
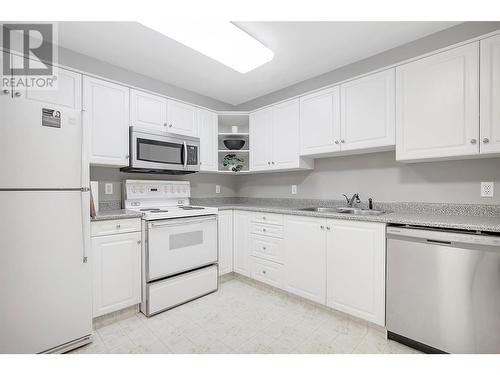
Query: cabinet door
point(67, 95)
point(207, 131)
point(368, 112)
point(320, 122)
point(356, 269)
point(116, 272)
point(181, 118)
point(437, 105)
point(225, 221)
point(305, 257)
point(285, 135)
point(148, 111)
point(241, 240)
point(106, 118)
point(490, 95)
point(261, 123)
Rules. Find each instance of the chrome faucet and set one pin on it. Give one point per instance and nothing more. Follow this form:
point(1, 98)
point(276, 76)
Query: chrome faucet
point(355, 198)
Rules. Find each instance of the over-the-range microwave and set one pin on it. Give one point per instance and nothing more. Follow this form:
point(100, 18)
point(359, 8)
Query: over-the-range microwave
point(160, 152)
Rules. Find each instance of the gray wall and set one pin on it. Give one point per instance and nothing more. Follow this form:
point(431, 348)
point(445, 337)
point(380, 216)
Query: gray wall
point(202, 184)
point(379, 176)
point(441, 39)
point(88, 64)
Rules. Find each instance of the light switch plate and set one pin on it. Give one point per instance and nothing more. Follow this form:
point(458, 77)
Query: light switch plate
point(217, 189)
point(294, 189)
point(487, 189)
point(108, 188)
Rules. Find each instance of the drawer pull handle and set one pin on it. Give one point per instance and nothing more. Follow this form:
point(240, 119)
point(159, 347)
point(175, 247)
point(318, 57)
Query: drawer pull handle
point(118, 226)
point(264, 272)
point(263, 229)
point(263, 218)
point(263, 248)
point(322, 227)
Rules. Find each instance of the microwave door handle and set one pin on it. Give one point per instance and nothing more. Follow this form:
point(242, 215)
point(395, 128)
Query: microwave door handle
point(185, 154)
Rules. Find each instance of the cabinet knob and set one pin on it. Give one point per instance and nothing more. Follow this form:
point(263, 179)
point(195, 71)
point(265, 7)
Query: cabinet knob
point(263, 248)
point(118, 226)
point(165, 124)
point(269, 163)
point(328, 228)
point(264, 272)
point(169, 125)
point(263, 218)
point(127, 156)
point(336, 142)
point(473, 141)
point(5, 91)
point(486, 140)
point(17, 94)
point(272, 162)
point(263, 229)
point(138, 242)
point(342, 141)
point(322, 227)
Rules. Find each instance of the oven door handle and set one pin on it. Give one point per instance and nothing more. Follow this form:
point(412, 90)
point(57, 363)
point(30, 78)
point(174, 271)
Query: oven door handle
point(174, 222)
point(185, 154)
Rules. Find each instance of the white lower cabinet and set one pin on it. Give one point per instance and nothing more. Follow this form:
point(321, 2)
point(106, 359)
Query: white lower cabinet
point(267, 272)
point(241, 236)
point(355, 263)
point(116, 271)
point(225, 221)
point(305, 257)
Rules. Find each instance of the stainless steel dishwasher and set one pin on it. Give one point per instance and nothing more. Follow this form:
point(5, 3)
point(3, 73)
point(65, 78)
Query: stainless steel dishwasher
point(443, 290)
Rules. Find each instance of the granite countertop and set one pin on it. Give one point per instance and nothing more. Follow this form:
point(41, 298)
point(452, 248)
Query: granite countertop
point(115, 214)
point(462, 221)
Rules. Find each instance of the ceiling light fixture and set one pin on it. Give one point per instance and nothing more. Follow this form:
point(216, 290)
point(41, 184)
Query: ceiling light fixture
point(219, 40)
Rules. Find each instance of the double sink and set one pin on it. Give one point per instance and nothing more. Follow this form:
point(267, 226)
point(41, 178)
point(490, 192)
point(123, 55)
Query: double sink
point(344, 210)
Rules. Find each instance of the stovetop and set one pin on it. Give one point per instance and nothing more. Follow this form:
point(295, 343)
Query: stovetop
point(168, 212)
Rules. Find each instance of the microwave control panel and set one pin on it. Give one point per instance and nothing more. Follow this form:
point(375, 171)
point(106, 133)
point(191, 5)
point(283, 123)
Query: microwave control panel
point(192, 155)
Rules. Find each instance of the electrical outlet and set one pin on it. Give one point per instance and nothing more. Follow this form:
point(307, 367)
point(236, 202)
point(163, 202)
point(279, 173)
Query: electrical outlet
point(294, 189)
point(487, 189)
point(108, 188)
point(217, 189)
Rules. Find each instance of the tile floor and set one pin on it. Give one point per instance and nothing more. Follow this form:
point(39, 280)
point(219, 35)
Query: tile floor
point(243, 316)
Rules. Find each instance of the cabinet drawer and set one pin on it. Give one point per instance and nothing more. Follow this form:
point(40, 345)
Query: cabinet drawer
point(267, 230)
point(267, 248)
point(266, 218)
point(106, 227)
point(268, 272)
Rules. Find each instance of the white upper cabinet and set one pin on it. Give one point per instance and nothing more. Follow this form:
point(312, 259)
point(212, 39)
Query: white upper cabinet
point(437, 105)
point(368, 113)
point(490, 95)
point(355, 262)
point(206, 122)
point(285, 136)
point(67, 95)
point(181, 118)
point(261, 123)
point(320, 122)
point(106, 118)
point(148, 110)
point(274, 134)
point(158, 113)
point(305, 257)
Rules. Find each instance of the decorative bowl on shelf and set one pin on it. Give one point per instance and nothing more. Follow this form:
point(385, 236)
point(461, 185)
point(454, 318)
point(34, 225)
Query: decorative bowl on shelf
point(234, 144)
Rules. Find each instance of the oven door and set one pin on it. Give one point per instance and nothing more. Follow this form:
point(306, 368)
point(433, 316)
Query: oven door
point(179, 245)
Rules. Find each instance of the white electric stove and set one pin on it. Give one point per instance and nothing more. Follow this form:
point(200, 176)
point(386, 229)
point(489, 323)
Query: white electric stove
point(180, 247)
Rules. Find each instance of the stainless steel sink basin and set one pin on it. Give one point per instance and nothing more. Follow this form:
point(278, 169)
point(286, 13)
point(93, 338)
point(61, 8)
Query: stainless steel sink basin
point(344, 210)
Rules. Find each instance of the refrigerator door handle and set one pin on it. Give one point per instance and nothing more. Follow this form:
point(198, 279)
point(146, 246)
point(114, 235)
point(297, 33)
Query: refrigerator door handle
point(85, 223)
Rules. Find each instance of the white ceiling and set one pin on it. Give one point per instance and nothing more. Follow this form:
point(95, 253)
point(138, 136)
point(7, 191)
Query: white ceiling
point(301, 50)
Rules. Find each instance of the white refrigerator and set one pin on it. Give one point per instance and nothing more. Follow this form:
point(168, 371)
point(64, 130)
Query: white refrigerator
point(45, 281)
